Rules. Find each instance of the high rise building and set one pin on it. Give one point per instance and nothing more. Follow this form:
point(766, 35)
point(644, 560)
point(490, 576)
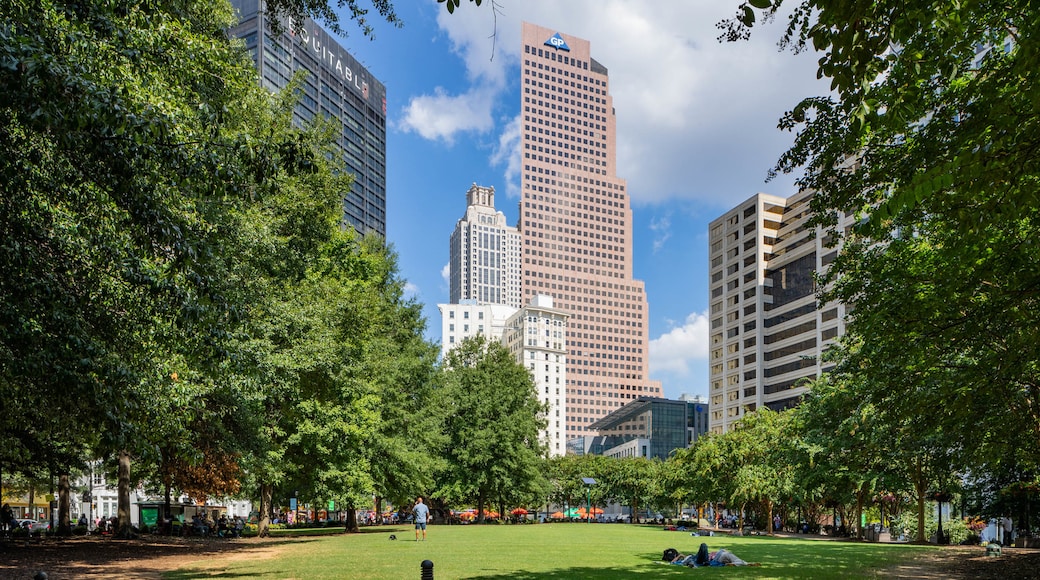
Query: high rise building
point(484, 262)
point(697, 417)
point(535, 334)
point(576, 225)
point(537, 337)
point(767, 331)
point(484, 274)
point(336, 86)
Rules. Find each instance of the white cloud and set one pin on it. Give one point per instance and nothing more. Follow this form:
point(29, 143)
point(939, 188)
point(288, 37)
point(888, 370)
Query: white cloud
point(674, 351)
point(696, 118)
point(662, 229)
point(410, 291)
point(440, 116)
point(446, 274)
point(508, 151)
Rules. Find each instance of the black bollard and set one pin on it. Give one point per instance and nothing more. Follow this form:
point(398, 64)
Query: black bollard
point(427, 570)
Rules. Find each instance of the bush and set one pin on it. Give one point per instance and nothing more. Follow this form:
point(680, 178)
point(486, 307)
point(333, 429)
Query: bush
point(955, 529)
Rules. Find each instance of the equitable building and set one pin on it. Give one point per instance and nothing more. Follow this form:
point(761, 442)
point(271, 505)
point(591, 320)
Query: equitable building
point(336, 86)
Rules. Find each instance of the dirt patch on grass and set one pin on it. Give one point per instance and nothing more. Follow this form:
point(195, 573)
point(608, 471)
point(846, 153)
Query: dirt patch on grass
point(968, 562)
point(141, 559)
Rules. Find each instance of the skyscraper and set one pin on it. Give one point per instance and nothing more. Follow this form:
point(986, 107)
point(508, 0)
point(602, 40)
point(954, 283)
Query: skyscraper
point(576, 225)
point(537, 337)
point(336, 86)
point(767, 331)
point(484, 261)
point(484, 274)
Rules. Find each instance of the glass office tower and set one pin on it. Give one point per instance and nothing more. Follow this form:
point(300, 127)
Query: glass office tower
point(336, 86)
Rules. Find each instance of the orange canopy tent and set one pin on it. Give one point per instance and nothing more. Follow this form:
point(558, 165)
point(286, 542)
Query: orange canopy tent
point(557, 516)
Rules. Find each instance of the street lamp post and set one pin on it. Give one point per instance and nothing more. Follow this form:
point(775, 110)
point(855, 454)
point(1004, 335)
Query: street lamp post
point(589, 482)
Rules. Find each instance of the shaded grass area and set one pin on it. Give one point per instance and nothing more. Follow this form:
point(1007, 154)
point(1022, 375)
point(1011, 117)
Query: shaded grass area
point(550, 551)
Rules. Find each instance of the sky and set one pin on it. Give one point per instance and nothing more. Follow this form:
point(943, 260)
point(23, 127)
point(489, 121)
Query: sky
point(696, 129)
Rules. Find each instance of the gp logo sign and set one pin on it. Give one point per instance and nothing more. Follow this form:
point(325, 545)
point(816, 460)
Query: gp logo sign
point(557, 42)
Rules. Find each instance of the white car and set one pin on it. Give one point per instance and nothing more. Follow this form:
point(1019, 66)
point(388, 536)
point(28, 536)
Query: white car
point(34, 526)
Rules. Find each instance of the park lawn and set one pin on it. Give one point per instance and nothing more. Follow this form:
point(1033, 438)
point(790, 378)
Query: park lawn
point(294, 532)
point(543, 551)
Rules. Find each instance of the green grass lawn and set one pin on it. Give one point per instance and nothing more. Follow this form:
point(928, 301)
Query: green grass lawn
point(542, 551)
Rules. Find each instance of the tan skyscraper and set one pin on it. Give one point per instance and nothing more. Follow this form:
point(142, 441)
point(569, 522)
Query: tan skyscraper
point(576, 225)
point(768, 333)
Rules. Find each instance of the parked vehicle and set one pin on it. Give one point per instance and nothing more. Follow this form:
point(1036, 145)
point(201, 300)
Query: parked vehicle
point(34, 526)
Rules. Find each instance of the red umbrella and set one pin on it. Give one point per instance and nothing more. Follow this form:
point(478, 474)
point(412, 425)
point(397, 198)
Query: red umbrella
point(519, 512)
point(557, 516)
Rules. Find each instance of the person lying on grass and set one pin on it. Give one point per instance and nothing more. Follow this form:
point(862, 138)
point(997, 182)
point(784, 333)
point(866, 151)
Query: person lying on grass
point(721, 557)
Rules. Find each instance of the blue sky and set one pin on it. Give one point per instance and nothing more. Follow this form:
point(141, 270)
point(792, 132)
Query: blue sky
point(696, 126)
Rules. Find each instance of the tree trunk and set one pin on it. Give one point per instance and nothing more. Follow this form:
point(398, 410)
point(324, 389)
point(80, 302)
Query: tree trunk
point(352, 524)
point(379, 510)
point(64, 515)
point(264, 523)
point(480, 508)
point(635, 510)
point(769, 517)
point(859, 513)
point(167, 509)
point(123, 506)
point(919, 488)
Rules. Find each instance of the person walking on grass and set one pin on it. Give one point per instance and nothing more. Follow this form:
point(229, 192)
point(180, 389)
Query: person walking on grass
point(422, 513)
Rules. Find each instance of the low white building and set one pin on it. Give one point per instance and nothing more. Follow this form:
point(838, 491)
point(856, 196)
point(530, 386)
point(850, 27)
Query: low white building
point(100, 500)
point(536, 335)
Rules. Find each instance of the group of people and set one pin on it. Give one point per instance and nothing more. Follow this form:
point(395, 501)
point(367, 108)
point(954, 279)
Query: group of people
point(222, 528)
point(720, 557)
point(107, 525)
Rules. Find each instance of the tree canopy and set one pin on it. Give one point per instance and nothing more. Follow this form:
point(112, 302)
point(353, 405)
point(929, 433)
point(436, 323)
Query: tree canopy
point(492, 419)
point(177, 288)
point(928, 139)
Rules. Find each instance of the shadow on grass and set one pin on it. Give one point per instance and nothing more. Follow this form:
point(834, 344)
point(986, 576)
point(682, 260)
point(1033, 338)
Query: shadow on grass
point(662, 571)
point(95, 557)
point(384, 530)
point(777, 559)
point(304, 532)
